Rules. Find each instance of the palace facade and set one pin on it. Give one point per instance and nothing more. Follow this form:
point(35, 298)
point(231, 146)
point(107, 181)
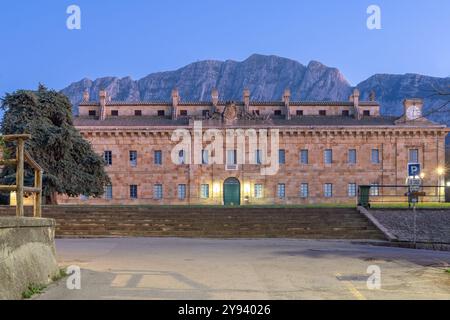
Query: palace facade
point(318, 151)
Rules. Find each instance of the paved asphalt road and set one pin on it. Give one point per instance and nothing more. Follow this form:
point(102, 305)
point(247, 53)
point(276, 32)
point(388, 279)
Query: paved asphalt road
point(155, 268)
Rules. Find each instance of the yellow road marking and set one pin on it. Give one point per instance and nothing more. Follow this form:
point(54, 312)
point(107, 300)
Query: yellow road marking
point(358, 295)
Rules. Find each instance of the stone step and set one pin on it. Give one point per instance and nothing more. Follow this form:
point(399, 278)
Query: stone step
point(147, 221)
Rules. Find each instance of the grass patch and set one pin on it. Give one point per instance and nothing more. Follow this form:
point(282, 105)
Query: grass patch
point(243, 206)
point(32, 290)
point(447, 271)
point(404, 205)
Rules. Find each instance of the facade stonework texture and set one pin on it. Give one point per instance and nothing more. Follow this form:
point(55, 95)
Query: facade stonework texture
point(381, 148)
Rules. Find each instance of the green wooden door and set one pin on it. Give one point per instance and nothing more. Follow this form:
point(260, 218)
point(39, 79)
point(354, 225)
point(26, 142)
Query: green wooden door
point(232, 192)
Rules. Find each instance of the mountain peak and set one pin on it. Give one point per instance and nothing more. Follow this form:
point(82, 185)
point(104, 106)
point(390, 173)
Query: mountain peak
point(315, 64)
point(266, 76)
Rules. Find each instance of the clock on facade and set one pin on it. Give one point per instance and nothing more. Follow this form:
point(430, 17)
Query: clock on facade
point(413, 112)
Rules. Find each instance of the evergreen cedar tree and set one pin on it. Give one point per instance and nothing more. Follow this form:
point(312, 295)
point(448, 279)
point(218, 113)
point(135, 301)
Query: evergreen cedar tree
point(70, 164)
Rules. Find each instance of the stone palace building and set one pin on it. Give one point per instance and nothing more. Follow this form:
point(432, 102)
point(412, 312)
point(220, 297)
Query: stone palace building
point(316, 151)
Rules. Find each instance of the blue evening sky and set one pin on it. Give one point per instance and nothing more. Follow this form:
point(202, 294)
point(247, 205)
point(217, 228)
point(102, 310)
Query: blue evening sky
point(137, 37)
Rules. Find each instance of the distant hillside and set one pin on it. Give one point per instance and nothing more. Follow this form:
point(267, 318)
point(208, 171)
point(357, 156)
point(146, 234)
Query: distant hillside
point(267, 77)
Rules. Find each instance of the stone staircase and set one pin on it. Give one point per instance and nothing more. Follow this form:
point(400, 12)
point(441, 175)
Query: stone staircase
point(207, 222)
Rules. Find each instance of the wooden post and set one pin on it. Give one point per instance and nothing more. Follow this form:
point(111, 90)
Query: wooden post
point(37, 212)
point(19, 177)
point(21, 156)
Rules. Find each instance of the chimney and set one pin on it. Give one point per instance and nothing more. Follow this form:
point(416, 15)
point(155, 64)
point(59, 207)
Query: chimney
point(175, 101)
point(246, 96)
point(102, 98)
point(355, 99)
point(287, 100)
point(372, 96)
point(86, 95)
point(215, 98)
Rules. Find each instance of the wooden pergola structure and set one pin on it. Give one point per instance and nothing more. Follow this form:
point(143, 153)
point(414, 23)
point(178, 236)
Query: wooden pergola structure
point(23, 156)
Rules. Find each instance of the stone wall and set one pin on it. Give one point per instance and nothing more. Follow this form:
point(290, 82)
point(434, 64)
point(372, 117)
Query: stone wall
point(27, 254)
point(426, 226)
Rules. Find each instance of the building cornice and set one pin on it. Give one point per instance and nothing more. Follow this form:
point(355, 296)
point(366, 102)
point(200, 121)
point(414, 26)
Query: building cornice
point(289, 131)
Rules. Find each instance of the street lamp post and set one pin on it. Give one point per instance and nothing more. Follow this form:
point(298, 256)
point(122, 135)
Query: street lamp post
point(440, 172)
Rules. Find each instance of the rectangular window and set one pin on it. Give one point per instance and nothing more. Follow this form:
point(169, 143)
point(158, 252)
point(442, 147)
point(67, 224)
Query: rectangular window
point(133, 191)
point(205, 113)
point(322, 112)
point(375, 189)
point(107, 156)
point(115, 113)
point(414, 155)
point(92, 113)
point(161, 113)
point(366, 113)
point(352, 189)
point(158, 157)
point(205, 156)
point(204, 191)
point(181, 191)
point(345, 113)
point(277, 113)
point(138, 113)
point(158, 191)
point(259, 159)
point(133, 158)
point(352, 156)
point(281, 191)
point(281, 156)
point(108, 192)
point(304, 156)
point(183, 113)
point(231, 157)
point(299, 113)
point(328, 156)
point(328, 190)
point(304, 190)
point(258, 191)
point(256, 112)
point(181, 157)
point(375, 156)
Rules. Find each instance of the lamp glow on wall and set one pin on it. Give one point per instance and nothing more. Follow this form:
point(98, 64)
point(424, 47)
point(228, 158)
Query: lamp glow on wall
point(27, 200)
point(247, 189)
point(441, 184)
point(216, 189)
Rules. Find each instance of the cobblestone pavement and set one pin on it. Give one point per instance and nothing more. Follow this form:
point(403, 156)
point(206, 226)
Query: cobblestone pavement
point(155, 268)
point(429, 225)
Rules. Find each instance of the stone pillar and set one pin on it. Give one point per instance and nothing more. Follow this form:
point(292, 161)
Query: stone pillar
point(175, 101)
point(102, 99)
point(287, 101)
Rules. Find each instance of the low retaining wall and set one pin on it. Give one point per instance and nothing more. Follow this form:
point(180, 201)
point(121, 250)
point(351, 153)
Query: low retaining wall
point(27, 254)
point(429, 229)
